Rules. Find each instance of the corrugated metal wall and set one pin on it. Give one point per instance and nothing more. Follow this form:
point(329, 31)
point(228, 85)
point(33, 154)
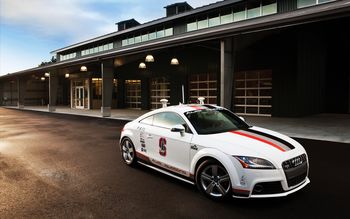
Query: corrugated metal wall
point(286, 5)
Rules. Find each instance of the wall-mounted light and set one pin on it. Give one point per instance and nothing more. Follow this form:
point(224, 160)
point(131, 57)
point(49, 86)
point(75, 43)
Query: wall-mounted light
point(149, 58)
point(47, 74)
point(83, 68)
point(174, 61)
point(142, 65)
point(42, 78)
point(66, 75)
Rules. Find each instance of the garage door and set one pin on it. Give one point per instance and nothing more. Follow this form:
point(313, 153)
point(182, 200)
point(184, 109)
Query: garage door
point(160, 89)
point(203, 85)
point(253, 93)
point(133, 94)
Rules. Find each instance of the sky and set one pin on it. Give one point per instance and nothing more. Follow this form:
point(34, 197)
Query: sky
point(31, 29)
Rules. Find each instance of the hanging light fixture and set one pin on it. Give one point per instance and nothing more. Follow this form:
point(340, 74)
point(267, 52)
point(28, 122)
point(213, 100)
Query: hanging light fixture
point(47, 74)
point(42, 78)
point(174, 61)
point(83, 68)
point(66, 75)
point(149, 58)
point(142, 65)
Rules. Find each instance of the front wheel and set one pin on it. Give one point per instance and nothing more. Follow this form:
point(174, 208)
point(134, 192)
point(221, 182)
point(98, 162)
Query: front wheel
point(213, 180)
point(128, 152)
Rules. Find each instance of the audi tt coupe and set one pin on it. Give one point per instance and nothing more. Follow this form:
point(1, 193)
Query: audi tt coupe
point(218, 151)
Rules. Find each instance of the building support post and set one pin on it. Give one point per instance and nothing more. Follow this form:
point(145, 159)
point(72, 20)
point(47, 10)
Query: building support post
point(107, 85)
point(21, 89)
point(145, 94)
point(53, 84)
point(226, 72)
point(2, 96)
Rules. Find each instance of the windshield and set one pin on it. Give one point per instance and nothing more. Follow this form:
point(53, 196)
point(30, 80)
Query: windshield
point(211, 121)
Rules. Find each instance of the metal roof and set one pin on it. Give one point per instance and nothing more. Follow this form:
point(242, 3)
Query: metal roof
point(151, 23)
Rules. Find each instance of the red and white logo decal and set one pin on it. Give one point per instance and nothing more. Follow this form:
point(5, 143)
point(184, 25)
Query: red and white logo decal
point(162, 147)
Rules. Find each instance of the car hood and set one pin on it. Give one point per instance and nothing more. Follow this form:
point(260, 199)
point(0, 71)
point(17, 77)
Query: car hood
point(255, 142)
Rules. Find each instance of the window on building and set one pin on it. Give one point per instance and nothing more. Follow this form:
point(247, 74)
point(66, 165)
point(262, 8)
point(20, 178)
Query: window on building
point(201, 24)
point(97, 49)
point(192, 26)
point(68, 56)
point(253, 9)
point(160, 33)
point(214, 21)
point(169, 31)
point(152, 36)
point(125, 42)
point(144, 38)
point(226, 16)
point(138, 39)
point(131, 41)
point(239, 13)
point(305, 3)
point(269, 7)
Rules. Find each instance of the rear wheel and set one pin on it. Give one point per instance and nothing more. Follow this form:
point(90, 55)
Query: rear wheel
point(128, 152)
point(213, 180)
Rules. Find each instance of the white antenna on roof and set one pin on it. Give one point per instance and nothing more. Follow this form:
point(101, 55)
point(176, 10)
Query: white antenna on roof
point(201, 100)
point(164, 102)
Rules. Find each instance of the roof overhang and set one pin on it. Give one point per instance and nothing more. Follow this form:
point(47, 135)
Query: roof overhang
point(317, 13)
point(151, 23)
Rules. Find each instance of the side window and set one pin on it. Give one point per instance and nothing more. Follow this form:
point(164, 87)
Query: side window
point(168, 120)
point(147, 120)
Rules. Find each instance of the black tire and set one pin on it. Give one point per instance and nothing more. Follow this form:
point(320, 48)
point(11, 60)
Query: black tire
point(128, 152)
point(212, 180)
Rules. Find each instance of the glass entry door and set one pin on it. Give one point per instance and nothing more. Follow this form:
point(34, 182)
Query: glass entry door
point(79, 97)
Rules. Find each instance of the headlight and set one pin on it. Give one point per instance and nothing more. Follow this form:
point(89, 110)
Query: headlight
point(254, 162)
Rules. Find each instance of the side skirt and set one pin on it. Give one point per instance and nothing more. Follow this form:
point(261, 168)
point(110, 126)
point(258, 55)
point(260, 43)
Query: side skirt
point(166, 172)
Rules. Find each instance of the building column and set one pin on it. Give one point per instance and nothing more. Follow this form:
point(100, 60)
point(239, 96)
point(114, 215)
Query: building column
point(121, 93)
point(107, 85)
point(226, 72)
point(53, 84)
point(349, 82)
point(145, 94)
point(2, 94)
point(21, 89)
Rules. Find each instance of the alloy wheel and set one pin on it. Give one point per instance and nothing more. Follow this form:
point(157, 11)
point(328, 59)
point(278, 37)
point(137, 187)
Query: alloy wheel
point(128, 152)
point(215, 181)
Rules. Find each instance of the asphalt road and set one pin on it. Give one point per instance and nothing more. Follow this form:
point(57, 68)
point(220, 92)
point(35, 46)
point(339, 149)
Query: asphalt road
point(60, 166)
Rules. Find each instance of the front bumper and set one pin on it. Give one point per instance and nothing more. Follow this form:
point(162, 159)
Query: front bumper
point(280, 182)
point(275, 195)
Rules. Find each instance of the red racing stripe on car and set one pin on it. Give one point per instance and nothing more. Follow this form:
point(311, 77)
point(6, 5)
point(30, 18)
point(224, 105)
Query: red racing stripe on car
point(258, 139)
point(196, 107)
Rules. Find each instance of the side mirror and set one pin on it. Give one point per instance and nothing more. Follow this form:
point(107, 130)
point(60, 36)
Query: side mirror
point(178, 128)
point(242, 118)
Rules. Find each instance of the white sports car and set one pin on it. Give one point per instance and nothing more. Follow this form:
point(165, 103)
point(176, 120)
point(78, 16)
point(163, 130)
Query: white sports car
point(213, 148)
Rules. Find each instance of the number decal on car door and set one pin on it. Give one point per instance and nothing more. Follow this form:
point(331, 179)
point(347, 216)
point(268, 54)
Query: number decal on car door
point(162, 147)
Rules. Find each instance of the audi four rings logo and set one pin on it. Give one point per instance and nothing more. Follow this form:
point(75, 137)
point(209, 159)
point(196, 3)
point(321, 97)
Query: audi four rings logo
point(297, 161)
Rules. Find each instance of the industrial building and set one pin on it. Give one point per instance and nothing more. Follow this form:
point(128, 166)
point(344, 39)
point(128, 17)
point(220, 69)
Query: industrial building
point(255, 57)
